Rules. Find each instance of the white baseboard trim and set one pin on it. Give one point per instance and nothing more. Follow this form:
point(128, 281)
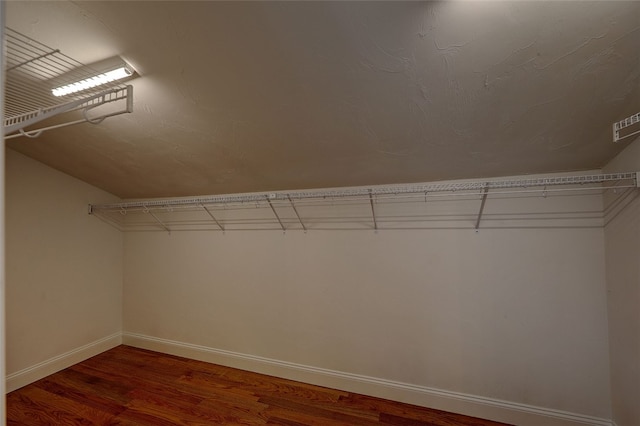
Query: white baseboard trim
point(472, 405)
point(43, 369)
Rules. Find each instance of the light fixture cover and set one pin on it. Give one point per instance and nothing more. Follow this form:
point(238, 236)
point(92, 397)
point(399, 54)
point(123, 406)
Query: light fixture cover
point(87, 83)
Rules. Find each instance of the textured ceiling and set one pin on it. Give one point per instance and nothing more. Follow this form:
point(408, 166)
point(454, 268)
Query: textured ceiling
point(243, 96)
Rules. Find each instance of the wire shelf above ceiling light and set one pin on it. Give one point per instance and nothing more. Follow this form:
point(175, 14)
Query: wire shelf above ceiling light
point(555, 201)
point(33, 70)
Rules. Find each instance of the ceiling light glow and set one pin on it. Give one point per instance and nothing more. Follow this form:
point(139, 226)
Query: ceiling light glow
point(104, 78)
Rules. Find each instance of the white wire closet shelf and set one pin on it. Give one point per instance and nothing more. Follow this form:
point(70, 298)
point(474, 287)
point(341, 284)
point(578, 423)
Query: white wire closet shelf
point(627, 127)
point(33, 70)
point(545, 202)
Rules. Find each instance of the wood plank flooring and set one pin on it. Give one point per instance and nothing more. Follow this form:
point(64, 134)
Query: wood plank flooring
point(130, 386)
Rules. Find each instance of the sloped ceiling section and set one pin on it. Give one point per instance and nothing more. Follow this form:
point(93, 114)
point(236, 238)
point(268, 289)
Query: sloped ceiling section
point(243, 96)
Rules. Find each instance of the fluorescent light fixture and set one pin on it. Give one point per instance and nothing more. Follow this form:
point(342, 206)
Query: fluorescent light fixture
point(87, 83)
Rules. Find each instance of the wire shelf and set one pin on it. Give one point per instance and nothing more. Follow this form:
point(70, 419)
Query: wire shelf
point(33, 70)
point(632, 121)
point(560, 201)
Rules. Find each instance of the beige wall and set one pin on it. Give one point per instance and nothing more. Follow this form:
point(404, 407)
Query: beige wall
point(63, 267)
point(2, 234)
point(516, 315)
point(623, 284)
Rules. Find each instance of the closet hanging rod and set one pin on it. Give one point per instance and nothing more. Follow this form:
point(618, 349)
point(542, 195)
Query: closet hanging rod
point(17, 123)
point(543, 184)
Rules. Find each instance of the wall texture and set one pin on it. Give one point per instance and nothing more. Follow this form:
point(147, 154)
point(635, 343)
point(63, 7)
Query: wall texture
point(63, 270)
point(515, 315)
point(622, 236)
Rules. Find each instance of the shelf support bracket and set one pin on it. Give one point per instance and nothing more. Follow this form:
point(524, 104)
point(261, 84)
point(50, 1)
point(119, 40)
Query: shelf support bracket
point(373, 211)
point(485, 191)
point(165, 227)
point(275, 213)
point(297, 214)
point(212, 217)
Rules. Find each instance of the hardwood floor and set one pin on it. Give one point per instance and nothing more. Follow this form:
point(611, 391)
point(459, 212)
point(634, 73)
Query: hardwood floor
point(130, 386)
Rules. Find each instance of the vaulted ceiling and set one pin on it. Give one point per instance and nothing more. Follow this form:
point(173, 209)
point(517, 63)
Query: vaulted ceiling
point(255, 96)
